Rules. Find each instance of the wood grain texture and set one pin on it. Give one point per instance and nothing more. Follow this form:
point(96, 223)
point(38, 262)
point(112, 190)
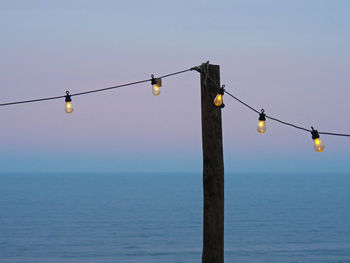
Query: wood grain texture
point(213, 168)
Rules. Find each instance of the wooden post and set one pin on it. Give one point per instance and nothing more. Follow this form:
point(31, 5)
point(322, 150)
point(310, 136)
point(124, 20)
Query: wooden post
point(213, 167)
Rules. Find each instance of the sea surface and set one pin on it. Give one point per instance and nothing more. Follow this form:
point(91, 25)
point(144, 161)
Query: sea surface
point(105, 218)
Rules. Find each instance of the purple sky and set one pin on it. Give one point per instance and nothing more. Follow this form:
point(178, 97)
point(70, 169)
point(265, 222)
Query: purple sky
point(291, 58)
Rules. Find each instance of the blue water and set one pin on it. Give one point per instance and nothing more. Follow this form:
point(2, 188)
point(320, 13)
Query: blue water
point(158, 218)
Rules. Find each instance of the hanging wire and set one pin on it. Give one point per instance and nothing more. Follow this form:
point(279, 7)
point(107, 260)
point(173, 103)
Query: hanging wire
point(96, 90)
point(202, 69)
point(335, 134)
point(284, 122)
point(287, 123)
point(240, 101)
point(29, 101)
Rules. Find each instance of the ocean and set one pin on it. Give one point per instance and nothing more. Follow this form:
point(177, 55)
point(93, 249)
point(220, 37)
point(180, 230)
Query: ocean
point(108, 218)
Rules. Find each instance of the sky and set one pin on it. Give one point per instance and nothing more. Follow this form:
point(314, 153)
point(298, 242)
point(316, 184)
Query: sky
point(290, 58)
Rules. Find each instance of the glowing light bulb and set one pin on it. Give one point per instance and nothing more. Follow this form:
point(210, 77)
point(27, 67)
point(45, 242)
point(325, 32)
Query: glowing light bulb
point(318, 144)
point(262, 125)
point(156, 84)
point(155, 90)
point(68, 108)
point(218, 101)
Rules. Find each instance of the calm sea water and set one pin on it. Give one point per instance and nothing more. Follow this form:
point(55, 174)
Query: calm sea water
point(158, 218)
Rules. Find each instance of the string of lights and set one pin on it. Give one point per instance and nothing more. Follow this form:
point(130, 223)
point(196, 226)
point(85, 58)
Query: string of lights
point(283, 122)
point(218, 101)
point(93, 91)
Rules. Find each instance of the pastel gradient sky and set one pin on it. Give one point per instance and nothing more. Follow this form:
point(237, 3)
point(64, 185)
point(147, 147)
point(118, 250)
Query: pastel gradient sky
point(291, 58)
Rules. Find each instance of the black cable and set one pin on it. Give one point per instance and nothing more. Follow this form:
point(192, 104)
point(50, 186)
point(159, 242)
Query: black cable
point(114, 87)
point(177, 73)
point(335, 134)
point(250, 107)
point(267, 116)
point(29, 101)
point(96, 90)
point(287, 123)
point(201, 69)
point(130, 84)
point(283, 122)
point(245, 104)
point(165, 76)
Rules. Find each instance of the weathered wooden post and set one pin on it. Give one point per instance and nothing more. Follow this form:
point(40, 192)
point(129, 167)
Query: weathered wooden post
point(213, 167)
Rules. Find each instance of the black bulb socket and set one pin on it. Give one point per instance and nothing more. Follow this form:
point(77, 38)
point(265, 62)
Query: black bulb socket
point(262, 116)
point(68, 97)
point(314, 133)
point(153, 80)
point(222, 90)
point(156, 81)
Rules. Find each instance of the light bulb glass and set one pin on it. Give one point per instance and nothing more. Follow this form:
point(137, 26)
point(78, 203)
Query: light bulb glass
point(261, 127)
point(69, 107)
point(218, 100)
point(318, 145)
point(155, 90)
